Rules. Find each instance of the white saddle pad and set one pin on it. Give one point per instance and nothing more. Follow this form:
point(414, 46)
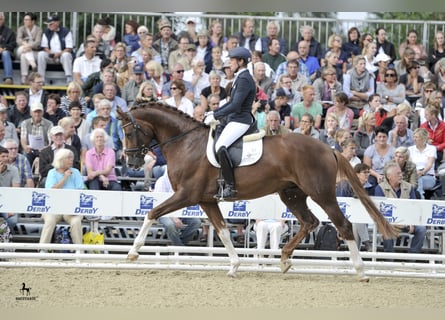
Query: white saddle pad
point(252, 149)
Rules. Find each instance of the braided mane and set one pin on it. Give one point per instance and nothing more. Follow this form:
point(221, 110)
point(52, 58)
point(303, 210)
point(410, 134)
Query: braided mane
point(166, 107)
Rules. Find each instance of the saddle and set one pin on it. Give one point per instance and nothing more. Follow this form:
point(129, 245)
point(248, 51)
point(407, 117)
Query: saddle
point(245, 151)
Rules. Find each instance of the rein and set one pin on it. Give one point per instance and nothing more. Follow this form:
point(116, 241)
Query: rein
point(172, 138)
point(143, 149)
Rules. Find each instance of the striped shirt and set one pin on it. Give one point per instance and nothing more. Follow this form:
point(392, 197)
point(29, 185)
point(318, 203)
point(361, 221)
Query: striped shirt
point(22, 164)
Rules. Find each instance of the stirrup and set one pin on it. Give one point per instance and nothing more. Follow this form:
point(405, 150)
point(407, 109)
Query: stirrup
point(223, 195)
point(219, 195)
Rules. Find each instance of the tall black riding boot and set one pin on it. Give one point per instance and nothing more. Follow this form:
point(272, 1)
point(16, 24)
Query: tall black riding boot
point(229, 191)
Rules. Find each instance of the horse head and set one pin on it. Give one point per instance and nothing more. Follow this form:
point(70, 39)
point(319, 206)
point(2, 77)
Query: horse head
point(136, 137)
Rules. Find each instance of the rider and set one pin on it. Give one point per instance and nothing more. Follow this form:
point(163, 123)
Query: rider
point(237, 113)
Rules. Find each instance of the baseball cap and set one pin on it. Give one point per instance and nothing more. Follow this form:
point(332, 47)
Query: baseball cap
point(138, 69)
point(36, 106)
point(56, 130)
point(52, 18)
point(382, 57)
point(3, 108)
point(190, 20)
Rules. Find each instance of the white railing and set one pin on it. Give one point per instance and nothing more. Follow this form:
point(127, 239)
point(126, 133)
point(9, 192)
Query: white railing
point(215, 259)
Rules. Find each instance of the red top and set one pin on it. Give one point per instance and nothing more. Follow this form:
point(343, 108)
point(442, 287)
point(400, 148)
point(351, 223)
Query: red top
point(437, 135)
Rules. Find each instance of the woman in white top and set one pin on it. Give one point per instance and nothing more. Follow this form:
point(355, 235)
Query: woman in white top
point(369, 51)
point(156, 75)
point(423, 155)
point(178, 98)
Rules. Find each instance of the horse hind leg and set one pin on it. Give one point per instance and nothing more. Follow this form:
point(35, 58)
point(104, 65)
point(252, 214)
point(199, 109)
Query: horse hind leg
point(216, 219)
point(140, 239)
point(295, 200)
point(344, 228)
point(357, 261)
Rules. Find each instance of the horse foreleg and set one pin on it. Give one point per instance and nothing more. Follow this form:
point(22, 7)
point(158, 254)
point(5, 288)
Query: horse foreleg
point(140, 239)
point(216, 219)
point(295, 200)
point(289, 248)
point(224, 235)
point(176, 201)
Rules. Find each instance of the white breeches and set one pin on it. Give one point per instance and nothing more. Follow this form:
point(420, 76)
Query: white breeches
point(230, 134)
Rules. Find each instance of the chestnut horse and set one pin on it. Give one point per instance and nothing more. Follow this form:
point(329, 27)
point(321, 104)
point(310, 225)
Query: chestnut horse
point(293, 165)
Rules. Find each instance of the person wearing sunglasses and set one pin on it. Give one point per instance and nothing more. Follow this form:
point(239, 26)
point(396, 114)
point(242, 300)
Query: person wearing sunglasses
point(412, 81)
point(177, 73)
point(390, 90)
point(178, 99)
point(423, 101)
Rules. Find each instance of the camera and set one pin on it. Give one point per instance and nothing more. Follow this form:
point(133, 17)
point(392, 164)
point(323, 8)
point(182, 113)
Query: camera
point(262, 106)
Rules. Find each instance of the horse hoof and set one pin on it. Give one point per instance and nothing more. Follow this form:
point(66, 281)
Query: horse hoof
point(132, 256)
point(285, 266)
point(231, 274)
point(364, 279)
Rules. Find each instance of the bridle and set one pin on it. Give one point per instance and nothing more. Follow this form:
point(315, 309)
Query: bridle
point(143, 149)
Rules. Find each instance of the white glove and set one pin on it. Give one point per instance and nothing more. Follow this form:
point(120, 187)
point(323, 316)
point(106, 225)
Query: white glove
point(209, 119)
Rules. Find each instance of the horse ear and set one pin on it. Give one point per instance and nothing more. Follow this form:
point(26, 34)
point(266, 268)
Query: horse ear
point(120, 114)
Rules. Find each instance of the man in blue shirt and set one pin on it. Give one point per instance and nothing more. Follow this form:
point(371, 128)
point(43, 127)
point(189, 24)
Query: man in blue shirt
point(311, 63)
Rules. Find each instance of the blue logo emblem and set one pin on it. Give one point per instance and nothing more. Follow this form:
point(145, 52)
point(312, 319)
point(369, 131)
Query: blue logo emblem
point(239, 205)
point(342, 206)
point(386, 209)
point(240, 209)
point(39, 199)
point(438, 212)
point(437, 215)
point(146, 203)
point(86, 200)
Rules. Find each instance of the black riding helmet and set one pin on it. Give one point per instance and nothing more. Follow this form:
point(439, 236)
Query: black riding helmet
point(240, 53)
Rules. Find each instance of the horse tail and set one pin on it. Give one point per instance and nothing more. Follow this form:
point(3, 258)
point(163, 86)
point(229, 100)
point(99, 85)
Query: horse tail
point(345, 170)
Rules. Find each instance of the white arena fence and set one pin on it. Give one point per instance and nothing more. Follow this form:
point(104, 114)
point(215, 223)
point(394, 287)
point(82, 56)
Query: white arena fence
point(114, 203)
